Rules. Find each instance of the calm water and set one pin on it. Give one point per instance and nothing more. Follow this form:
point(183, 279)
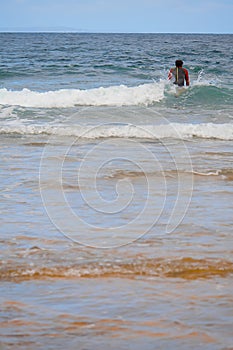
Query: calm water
point(116, 192)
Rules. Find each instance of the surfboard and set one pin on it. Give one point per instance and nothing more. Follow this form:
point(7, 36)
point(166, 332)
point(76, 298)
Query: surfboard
point(180, 91)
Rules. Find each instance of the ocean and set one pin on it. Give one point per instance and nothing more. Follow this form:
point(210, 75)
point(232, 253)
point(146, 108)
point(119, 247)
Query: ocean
point(116, 192)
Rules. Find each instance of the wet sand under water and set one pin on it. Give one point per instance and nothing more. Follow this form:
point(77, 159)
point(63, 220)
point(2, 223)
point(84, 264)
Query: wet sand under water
point(117, 313)
point(162, 291)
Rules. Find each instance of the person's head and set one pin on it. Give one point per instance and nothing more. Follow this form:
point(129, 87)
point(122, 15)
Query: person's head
point(179, 63)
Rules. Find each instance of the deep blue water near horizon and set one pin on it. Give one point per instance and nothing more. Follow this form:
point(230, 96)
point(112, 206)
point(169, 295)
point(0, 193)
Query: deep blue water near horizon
point(101, 59)
point(116, 192)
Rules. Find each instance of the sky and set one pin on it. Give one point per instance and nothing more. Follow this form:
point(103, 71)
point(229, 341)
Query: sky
point(118, 16)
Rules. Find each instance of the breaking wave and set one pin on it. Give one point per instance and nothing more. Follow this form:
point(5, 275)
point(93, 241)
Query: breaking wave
point(122, 95)
point(151, 132)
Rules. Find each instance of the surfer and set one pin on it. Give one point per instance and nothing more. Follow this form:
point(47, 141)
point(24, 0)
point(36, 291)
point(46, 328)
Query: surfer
point(180, 74)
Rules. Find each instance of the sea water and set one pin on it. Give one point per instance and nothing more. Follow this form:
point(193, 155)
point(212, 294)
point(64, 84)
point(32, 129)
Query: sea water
point(116, 192)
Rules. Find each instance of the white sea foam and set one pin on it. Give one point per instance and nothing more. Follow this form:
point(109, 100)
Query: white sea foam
point(153, 132)
point(121, 95)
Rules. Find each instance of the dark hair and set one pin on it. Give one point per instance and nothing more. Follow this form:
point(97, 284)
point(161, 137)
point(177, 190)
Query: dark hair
point(179, 63)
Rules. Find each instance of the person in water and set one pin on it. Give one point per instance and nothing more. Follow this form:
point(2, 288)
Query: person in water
point(180, 74)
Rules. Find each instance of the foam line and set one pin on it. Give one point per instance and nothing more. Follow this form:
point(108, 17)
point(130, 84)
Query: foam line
point(121, 95)
point(153, 132)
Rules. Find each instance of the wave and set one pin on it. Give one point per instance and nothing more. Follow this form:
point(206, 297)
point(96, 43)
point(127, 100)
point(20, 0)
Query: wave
point(152, 132)
point(186, 268)
point(121, 95)
point(225, 174)
point(208, 94)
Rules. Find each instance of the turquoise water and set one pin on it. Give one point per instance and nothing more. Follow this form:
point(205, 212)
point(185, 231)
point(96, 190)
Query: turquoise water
point(116, 192)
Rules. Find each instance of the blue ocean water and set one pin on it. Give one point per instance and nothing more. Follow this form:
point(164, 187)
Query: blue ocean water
point(116, 191)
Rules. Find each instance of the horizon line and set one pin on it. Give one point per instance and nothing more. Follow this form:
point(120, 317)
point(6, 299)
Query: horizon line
point(24, 31)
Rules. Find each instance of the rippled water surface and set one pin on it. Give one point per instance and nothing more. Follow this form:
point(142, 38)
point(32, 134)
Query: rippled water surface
point(116, 192)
